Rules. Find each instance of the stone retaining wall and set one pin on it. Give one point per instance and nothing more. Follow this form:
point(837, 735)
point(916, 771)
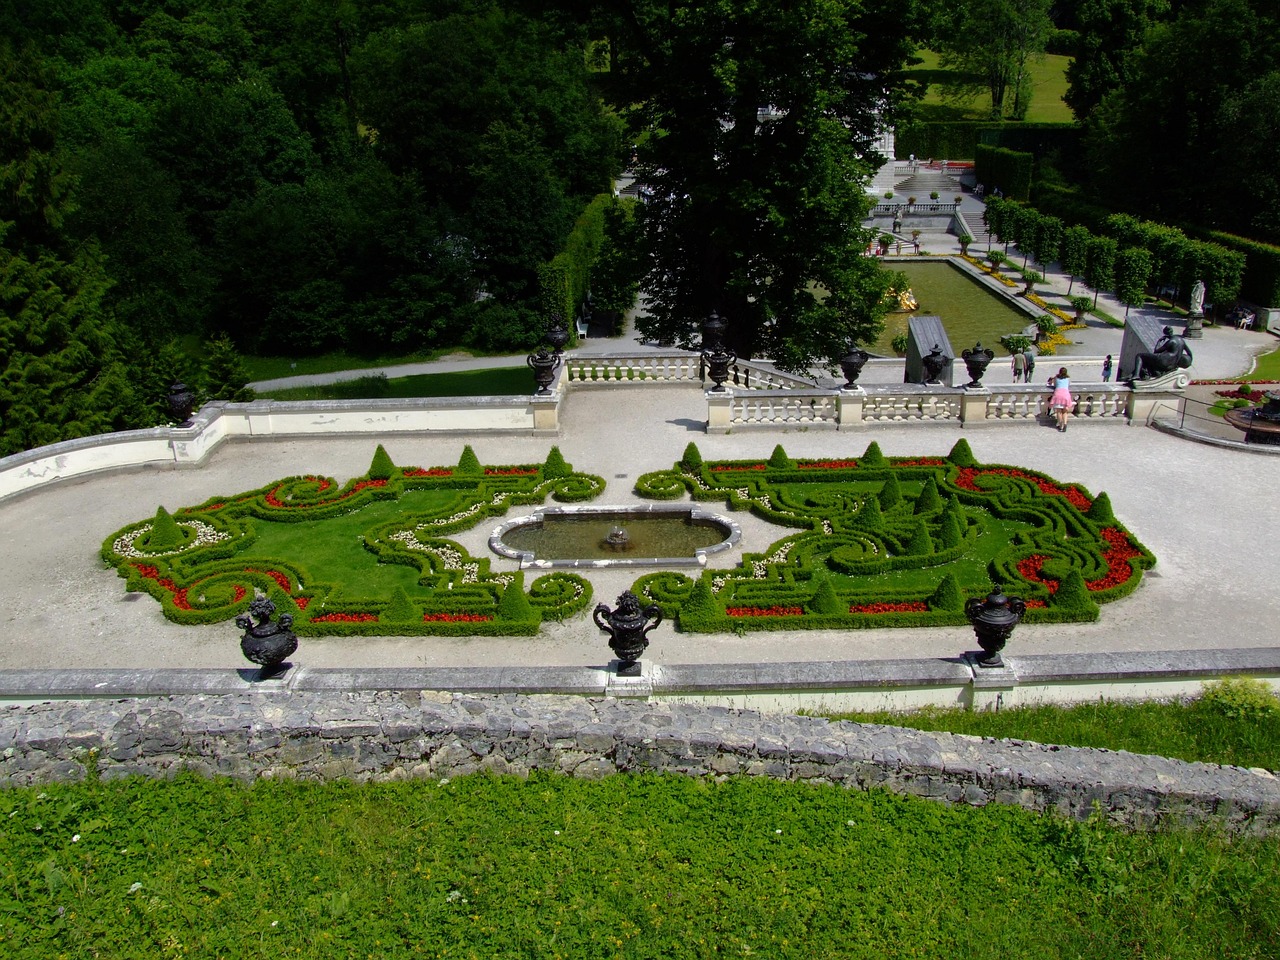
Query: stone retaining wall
point(403, 734)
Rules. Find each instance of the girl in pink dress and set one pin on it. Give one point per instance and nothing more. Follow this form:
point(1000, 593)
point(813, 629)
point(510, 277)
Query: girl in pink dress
point(1061, 403)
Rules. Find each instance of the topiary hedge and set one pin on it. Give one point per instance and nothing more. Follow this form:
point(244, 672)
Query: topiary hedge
point(898, 541)
point(203, 564)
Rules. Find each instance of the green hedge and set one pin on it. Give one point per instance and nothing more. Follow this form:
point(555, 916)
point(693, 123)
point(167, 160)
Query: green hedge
point(1261, 282)
point(960, 139)
point(1009, 170)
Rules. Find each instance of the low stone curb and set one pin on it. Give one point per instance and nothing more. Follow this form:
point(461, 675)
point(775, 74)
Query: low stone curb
point(390, 735)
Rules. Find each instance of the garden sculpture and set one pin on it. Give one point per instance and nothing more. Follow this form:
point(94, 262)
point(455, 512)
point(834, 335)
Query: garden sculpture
point(627, 631)
point(544, 365)
point(976, 362)
point(1171, 353)
point(934, 361)
point(265, 643)
point(993, 621)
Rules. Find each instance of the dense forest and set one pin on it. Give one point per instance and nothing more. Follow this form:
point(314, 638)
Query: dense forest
point(286, 177)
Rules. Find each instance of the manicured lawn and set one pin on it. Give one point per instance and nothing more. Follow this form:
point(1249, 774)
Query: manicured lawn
point(1048, 77)
point(272, 368)
point(1207, 729)
point(630, 866)
point(498, 382)
point(1266, 368)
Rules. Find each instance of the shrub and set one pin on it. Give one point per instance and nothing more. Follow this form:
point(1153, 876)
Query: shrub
point(929, 501)
point(554, 468)
point(381, 468)
point(165, 533)
point(1241, 698)
point(890, 493)
point(873, 457)
point(1080, 304)
point(825, 599)
point(469, 463)
point(514, 605)
point(948, 596)
point(692, 458)
point(933, 195)
point(779, 460)
point(961, 455)
point(401, 608)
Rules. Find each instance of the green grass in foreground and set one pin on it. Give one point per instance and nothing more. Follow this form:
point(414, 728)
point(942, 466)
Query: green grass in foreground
point(1267, 367)
point(630, 866)
point(498, 382)
point(1233, 723)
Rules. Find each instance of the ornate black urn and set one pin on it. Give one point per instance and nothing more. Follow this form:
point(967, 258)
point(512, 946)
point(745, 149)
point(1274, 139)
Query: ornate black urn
point(976, 361)
point(265, 643)
point(713, 329)
point(851, 365)
point(627, 631)
point(933, 362)
point(993, 621)
point(180, 401)
point(544, 364)
point(557, 334)
point(716, 360)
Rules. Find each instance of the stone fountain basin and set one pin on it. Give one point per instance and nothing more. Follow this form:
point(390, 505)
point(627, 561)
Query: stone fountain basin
point(678, 515)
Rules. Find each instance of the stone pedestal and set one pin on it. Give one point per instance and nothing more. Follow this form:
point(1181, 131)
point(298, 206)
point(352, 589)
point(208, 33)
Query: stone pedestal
point(973, 405)
point(850, 401)
point(546, 415)
point(994, 688)
point(719, 410)
point(1195, 327)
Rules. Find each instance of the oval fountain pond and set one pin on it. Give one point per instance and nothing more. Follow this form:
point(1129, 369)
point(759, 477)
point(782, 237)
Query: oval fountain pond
point(644, 535)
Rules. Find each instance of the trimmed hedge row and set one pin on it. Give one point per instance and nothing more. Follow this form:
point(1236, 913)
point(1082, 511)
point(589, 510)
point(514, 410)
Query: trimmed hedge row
point(960, 139)
point(1072, 556)
point(1010, 170)
point(203, 573)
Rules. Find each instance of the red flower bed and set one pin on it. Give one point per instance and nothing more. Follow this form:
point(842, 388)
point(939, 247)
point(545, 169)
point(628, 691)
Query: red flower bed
point(765, 611)
point(238, 594)
point(1029, 569)
point(276, 575)
point(456, 618)
point(967, 475)
point(434, 472)
point(909, 606)
point(302, 602)
point(740, 466)
point(510, 471)
point(346, 618)
point(1255, 396)
point(1032, 604)
point(323, 482)
point(274, 501)
point(1117, 556)
point(828, 465)
point(921, 462)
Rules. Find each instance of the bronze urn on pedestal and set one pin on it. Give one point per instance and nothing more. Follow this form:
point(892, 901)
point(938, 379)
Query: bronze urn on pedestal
point(627, 630)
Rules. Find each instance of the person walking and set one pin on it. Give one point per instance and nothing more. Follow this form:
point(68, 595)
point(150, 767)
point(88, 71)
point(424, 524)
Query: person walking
point(1060, 403)
point(1107, 366)
point(1019, 367)
point(1030, 359)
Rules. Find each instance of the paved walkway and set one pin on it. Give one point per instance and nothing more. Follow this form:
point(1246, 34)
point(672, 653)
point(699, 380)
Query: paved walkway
point(1208, 514)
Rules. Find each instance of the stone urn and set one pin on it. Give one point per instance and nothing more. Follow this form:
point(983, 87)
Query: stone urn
point(851, 365)
point(265, 643)
point(713, 329)
point(180, 401)
point(993, 621)
point(976, 362)
point(934, 362)
point(627, 630)
point(544, 364)
point(557, 334)
point(718, 361)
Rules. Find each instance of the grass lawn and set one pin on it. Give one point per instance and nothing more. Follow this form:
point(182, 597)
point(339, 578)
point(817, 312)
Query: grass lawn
point(498, 382)
point(945, 99)
point(630, 866)
point(1229, 725)
point(1266, 368)
point(271, 368)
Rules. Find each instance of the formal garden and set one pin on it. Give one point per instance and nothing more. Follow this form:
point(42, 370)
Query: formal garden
point(878, 541)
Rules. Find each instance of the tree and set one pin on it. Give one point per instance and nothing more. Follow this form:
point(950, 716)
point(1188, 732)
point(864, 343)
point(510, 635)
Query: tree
point(1133, 268)
point(1075, 252)
point(997, 40)
point(1111, 32)
point(1100, 265)
point(753, 165)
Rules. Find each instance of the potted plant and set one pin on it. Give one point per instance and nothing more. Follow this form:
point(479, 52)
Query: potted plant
point(911, 202)
point(1030, 278)
point(1080, 305)
point(933, 195)
point(965, 239)
point(959, 199)
point(888, 194)
point(995, 258)
point(885, 240)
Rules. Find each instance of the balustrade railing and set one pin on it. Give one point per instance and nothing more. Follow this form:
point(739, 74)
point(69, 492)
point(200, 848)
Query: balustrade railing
point(784, 407)
point(929, 208)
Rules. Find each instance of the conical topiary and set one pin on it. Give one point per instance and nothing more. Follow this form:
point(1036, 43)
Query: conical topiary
point(514, 605)
point(948, 595)
point(692, 458)
point(468, 463)
point(949, 532)
point(1100, 510)
point(401, 608)
point(701, 602)
point(555, 466)
point(382, 468)
point(961, 455)
point(824, 599)
point(869, 515)
point(929, 500)
point(1073, 594)
point(873, 457)
point(890, 493)
point(920, 544)
point(165, 533)
point(779, 459)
